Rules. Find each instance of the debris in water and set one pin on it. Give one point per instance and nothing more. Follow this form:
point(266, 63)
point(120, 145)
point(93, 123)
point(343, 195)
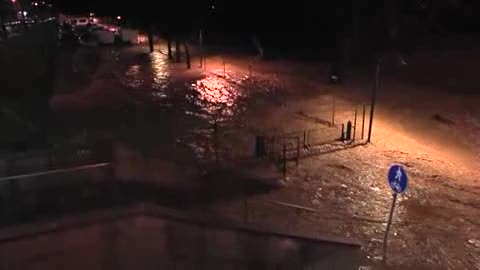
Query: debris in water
point(474, 242)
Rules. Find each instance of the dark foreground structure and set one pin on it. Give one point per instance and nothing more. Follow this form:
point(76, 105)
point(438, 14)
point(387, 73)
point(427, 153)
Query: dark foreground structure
point(150, 237)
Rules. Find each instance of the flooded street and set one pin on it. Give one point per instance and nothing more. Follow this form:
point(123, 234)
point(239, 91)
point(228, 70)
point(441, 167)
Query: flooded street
point(171, 125)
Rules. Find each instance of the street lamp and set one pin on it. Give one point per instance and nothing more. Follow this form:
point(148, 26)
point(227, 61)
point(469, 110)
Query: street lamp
point(400, 61)
point(201, 33)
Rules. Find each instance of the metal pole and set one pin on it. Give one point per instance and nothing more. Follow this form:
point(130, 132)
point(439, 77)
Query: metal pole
point(333, 111)
point(215, 134)
point(305, 139)
point(284, 160)
point(201, 47)
point(355, 124)
point(390, 217)
point(224, 74)
point(363, 121)
point(374, 98)
point(249, 70)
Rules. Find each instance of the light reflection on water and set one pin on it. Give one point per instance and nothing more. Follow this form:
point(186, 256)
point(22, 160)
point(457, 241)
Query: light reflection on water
point(159, 70)
point(216, 96)
point(133, 75)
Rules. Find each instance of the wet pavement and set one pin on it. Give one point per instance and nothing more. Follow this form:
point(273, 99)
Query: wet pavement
point(185, 122)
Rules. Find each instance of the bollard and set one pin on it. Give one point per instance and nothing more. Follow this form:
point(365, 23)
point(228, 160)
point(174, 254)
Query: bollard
point(363, 121)
point(355, 124)
point(342, 135)
point(284, 160)
point(348, 135)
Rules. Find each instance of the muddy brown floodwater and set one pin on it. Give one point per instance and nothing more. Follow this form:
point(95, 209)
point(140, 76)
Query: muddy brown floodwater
point(149, 105)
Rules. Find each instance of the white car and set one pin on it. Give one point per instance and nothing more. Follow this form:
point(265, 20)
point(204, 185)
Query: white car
point(129, 36)
point(79, 22)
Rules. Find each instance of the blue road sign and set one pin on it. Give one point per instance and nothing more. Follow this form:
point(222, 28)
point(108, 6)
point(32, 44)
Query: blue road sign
point(397, 178)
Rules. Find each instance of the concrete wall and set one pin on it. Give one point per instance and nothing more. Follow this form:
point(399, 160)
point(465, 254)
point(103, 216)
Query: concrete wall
point(151, 239)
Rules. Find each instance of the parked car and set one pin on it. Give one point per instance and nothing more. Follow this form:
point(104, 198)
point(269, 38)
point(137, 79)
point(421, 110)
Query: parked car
point(129, 36)
point(80, 22)
point(104, 36)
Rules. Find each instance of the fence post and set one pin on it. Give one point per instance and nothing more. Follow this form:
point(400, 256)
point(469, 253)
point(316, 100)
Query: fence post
point(298, 150)
point(333, 111)
point(363, 121)
point(355, 124)
point(305, 143)
point(342, 135)
point(284, 160)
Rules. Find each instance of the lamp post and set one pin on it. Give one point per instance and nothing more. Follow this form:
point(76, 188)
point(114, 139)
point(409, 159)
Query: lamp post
point(374, 97)
point(379, 64)
point(200, 39)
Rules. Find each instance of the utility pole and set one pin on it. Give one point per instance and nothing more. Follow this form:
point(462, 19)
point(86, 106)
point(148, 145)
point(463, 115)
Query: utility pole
point(200, 39)
point(374, 97)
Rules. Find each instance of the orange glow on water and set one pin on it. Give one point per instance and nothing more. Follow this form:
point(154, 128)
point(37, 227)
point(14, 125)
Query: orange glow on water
point(216, 95)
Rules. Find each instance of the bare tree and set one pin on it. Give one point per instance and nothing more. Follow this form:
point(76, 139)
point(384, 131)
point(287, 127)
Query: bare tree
point(187, 54)
point(178, 51)
point(169, 44)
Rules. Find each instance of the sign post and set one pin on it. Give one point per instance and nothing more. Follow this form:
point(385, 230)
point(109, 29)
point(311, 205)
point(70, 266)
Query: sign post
point(398, 181)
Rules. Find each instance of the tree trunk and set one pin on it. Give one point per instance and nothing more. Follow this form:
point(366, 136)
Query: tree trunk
point(150, 39)
point(178, 51)
point(169, 43)
point(187, 54)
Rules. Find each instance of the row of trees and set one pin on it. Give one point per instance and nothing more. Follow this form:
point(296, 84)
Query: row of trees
point(381, 20)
